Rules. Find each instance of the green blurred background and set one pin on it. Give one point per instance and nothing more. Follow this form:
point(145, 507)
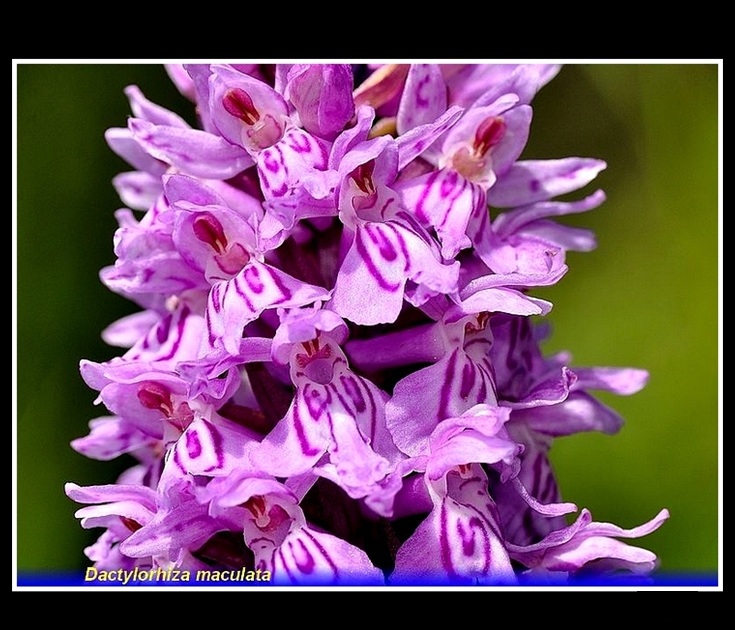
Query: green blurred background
point(647, 297)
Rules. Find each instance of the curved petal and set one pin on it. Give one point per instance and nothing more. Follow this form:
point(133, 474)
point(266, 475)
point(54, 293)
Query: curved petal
point(308, 556)
point(192, 151)
point(529, 181)
point(234, 303)
point(424, 97)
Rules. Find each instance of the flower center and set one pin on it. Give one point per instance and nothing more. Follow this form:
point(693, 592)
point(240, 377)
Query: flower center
point(238, 103)
point(159, 397)
point(256, 506)
point(477, 338)
point(364, 187)
point(132, 525)
point(210, 231)
point(317, 363)
point(363, 177)
point(267, 518)
point(473, 161)
point(262, 130)
point(480, 323)
point(156, 396)
point(230, 258)
point(488, 134)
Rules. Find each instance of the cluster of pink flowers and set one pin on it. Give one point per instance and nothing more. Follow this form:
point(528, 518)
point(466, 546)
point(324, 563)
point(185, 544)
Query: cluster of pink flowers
point(335, 376)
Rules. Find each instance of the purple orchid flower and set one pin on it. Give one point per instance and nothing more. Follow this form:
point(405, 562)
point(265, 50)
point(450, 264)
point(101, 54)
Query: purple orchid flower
point(119, 509)
point(567, 552)
point(282, 541)
point(336, 424)
point(388, 248)
point(461, 538)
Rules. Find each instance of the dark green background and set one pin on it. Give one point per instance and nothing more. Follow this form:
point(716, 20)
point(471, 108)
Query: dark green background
point(647, 297)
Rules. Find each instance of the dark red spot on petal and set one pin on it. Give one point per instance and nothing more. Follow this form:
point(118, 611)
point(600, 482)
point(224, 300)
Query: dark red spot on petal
point(363, 177)
point(488, 134)
point(131, 524)
point(238, 103)
point(210, 231)
point(156, 396)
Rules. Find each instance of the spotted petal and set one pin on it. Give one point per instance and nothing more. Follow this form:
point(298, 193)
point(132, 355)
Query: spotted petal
point(342, 420)
point(296, 160)
point(234, 303)
point(459, 542)
point(212, 448)
point(308, 556)
point(445, 201)
point(384, 256)
point(424, 97)
point(424, 398)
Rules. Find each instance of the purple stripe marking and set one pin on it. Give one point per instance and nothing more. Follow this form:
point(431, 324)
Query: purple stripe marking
point(180, 324)
point(315, 405)
point(444, 546)
point(177, 461)
point(362, 250)
point(286, 294)
point(163, 328)
point(328, 404)
point(242, 292)
point(273, 159)
point(410, 222)
point(420, 210)
point(211, 337)
point(482, 394)
point(386, 206)
point(469, 376)
point(276, 165)
point(349, 385)
point(299, 142)
point(448, 184)
point(193, 444)
point(251, 275)
point(480, 209)
point(215, 299)
point(487, 373)
point(306, 566)
point(490, 523)
point(452, 199)
point(357, 417)
point(373, 412)
point(217, 440)
point(446, 388)
point(403, 246)
point(282, 556)
point(467, 535)
point(476, 525)
point(304, 143)
point(306, 448)
point(385, 247)
point(323, 551)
